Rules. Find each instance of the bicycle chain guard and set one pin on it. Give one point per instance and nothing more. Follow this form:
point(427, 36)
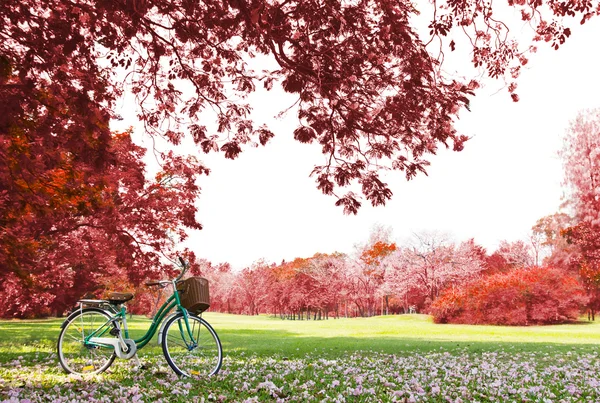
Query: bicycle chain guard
point(116, 343)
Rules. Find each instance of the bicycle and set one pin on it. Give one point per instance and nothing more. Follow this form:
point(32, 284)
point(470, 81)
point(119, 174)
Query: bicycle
point(96, 333)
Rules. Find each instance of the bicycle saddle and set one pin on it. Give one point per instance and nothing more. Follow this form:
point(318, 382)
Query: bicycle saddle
point(117, 298)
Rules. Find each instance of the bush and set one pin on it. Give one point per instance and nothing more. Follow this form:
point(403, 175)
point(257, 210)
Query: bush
point(531, 296)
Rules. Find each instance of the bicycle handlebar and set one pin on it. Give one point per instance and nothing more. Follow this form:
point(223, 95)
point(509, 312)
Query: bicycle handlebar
point(185, 266)
point(162, 283)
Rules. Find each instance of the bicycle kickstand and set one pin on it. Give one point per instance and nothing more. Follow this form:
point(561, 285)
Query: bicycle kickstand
point(138, 363)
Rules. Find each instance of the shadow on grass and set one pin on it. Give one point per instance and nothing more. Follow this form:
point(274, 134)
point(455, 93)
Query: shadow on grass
point(279, 342)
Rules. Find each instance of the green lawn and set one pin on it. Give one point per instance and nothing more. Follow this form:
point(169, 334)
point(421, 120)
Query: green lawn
point(265, 335)
point(390, 358)
point(391, 334)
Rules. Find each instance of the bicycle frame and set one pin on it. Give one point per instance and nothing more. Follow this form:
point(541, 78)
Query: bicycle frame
point(95, 338)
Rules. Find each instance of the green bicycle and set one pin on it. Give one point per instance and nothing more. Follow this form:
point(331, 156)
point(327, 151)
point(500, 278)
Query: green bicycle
point(96, 333)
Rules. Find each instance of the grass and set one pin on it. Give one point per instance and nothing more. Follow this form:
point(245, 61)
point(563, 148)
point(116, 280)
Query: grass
point(390, 334)
point(390, 358)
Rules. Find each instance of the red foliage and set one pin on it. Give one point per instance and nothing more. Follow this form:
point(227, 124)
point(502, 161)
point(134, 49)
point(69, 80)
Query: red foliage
point(581, 159)
point(495, 263)
point(432, 264)
point(537, 295)
point(586, 240)
point(69, 225)
point(373, 255)
point(369, 91)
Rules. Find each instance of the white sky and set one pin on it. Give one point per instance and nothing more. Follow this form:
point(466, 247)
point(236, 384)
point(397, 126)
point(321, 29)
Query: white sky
point(264, 205)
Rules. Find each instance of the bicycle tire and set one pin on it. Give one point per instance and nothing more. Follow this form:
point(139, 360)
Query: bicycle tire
point(202, 359)
point(74, 355)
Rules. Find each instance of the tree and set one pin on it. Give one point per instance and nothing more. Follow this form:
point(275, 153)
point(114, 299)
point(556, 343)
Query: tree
point(328, 280)
point(375, 267)
point(433, 263)
point(68, 225)
point(581, 160)
point(313, 285)
point(516, 254)
point(554, 245)
point(586, 238)
point(401, 280)
point(523, 296)
point(510, 255)
point(252, 286)
point(368, 91)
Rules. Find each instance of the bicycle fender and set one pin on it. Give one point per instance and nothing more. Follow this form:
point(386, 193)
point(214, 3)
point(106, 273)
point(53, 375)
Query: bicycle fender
point(163, 324)
point(78, 311)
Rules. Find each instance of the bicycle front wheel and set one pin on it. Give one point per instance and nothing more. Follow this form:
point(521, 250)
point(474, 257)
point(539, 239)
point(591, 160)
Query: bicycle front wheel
point(74, 354)
point(193, 352)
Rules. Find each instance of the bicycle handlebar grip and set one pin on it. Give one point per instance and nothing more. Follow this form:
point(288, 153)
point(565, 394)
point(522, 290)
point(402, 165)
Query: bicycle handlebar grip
point(151, 283)
point(181, 261)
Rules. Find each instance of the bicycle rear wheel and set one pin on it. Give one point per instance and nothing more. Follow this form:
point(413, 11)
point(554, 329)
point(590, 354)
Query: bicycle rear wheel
point(78, 357)
point(199, 355)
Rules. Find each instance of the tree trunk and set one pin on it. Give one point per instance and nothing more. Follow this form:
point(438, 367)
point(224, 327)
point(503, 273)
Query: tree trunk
point(387, 304)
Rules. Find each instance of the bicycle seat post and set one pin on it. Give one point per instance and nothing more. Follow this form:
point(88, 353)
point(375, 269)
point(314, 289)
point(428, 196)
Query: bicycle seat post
point(124, 320)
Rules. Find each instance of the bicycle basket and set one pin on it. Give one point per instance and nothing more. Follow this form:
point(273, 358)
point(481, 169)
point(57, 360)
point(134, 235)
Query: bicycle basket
point(193, 294)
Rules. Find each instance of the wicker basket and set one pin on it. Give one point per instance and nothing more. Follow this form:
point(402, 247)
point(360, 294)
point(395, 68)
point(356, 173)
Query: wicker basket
point(193, 294)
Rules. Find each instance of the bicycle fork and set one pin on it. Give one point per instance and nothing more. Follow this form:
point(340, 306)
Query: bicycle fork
point(192, 344)
point(183, 329)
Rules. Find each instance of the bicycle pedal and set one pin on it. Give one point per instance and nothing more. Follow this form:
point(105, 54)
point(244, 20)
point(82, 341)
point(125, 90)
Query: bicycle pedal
point(114, 331)
point(138, 368)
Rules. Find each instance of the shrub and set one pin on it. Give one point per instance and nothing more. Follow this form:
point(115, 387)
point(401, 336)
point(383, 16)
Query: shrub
point(531, 296)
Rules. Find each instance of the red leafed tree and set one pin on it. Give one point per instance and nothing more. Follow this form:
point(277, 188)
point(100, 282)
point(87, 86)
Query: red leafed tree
point(371, 283)
point(554, 244)
point(508, 256)
point(252, 287)
point(586, 239)
point(223, 294)
point(68, 225)
point(373, 255)
point(368, 91)
point(581, 158)
point(281, 299)
point(433, 263)
point(523, 296)
point(311, 288)
point(325, 286)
